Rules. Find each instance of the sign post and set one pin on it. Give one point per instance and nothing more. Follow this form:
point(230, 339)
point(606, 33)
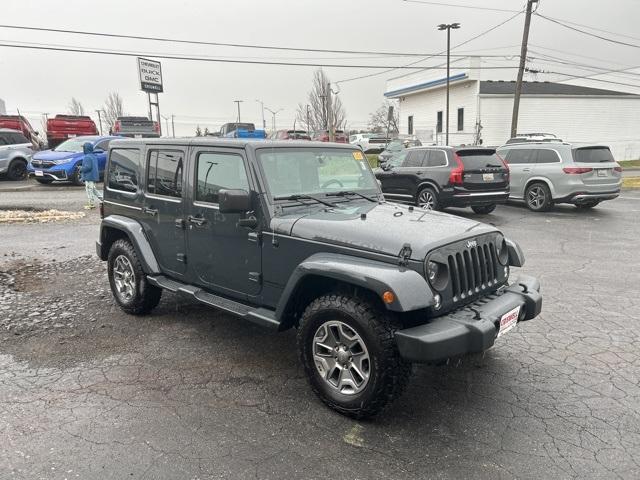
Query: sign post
point(150, 74)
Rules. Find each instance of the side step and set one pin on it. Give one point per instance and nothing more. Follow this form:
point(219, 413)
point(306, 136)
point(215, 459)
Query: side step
point(261, 316)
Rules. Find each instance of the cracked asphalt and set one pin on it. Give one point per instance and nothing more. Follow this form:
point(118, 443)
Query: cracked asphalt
point(187, 392)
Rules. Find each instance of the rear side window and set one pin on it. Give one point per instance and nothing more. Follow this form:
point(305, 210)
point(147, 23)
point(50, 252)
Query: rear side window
point(521, 155)
point(218, 171)
point(164, 173)
point(124, 169)
point(3, 140)
point(415, 158)
point(437, 158)
point(473, 159)
point(592, 155)
point(547, 156)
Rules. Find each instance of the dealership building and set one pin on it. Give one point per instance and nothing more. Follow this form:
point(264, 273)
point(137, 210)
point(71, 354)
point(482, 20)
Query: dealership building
point(480, 109)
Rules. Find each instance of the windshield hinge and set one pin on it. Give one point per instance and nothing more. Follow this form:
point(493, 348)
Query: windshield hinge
point(404, 255)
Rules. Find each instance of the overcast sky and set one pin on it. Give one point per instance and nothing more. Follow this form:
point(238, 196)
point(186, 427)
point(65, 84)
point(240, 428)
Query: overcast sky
point(203, 93)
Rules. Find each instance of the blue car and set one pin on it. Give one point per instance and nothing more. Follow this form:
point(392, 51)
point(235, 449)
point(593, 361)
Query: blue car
point(63, 162)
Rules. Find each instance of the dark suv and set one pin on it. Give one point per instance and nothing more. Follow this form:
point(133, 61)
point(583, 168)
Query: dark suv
point(297, 234)
point(440, 177)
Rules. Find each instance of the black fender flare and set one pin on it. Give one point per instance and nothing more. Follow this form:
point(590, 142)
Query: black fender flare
point(409, 287)
point(516, 255)
point(136, 235)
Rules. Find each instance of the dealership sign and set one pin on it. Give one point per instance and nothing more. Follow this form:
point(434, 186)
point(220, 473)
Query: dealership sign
point(150, 73)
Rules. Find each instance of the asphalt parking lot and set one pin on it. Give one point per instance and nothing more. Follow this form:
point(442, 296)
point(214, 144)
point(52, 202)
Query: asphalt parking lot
point(89, 392)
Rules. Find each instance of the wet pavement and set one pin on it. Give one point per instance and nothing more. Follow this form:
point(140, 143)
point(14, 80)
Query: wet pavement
point(187, 392)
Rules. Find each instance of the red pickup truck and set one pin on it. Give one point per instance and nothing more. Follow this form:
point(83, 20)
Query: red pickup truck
point(63, 127)
point(20, 123)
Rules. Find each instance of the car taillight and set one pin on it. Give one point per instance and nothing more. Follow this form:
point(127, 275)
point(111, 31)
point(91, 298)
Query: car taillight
point(506, 166)
point(617, 169)
point(455, 177)
point(576, 170)
point(117, 126)
point(156, 127)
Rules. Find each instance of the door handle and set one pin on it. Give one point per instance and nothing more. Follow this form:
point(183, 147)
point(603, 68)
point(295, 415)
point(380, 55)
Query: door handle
point(526, 169)
point(197, 220)
point(179, 223)
point(150, 211)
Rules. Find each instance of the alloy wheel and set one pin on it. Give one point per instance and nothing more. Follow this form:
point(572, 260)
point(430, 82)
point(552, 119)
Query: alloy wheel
point(124, 278)
point(536, 197)
point(341, 357)
point(426, 200)
point(18, 170)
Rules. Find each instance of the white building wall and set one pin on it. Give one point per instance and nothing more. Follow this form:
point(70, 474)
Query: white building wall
point(424, 107)
point(613, 121)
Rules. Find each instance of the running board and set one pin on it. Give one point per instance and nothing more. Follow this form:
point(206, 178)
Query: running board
point(261, 316)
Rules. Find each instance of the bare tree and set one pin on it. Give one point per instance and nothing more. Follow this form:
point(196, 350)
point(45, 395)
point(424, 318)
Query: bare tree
point(113, 108)
point(198, 131)
point(313, 115)
point(75, 107)
point(378, 119)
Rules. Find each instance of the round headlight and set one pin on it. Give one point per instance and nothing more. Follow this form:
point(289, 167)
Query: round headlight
point(502, 251)
point(432, 271)
point(437, 274)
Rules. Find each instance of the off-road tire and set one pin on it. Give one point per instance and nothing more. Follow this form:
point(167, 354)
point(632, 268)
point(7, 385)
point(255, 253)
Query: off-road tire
point(76, 176)
point(44, 181)
point(17, 170)
point(425, 192)
point(389, 373)
point(146, 296)
point(545, 202)
point(484, 209)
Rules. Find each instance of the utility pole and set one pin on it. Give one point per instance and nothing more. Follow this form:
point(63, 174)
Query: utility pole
point(523, 60)
point(448, 28)
point(99, 120)
point(238, 102)
point(166, 121)
point(273, 113)
point(173, 126)
point(264, 123)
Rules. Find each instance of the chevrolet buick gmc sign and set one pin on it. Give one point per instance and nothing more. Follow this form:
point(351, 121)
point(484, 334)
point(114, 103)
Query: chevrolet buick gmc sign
point(150, 73)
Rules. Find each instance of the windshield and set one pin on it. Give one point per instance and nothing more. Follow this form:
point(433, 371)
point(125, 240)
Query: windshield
point(298, 171)
point(73, 145)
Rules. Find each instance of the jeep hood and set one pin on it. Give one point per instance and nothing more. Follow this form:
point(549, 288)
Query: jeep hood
point(382, 228)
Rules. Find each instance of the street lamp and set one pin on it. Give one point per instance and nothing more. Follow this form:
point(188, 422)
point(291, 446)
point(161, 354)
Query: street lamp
point(264, 123)
point(448, 27)
point(273, 125)
point(238, 102)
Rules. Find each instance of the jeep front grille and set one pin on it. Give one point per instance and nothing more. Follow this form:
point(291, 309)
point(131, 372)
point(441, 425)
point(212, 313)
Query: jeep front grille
point(473, 270)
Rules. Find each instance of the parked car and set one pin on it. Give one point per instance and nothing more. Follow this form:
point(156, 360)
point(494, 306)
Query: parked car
point(135, 127)
point(15, 152)
point(297, 234)
point(339, 136)
point(290, 135)
point(64, 162)
point(396, 146)
point(20, 123)
point(543, 174)
point(230, 127)
point(63, 127)
point(438, 177)
point(369, 142)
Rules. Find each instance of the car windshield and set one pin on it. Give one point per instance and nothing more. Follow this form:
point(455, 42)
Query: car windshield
point(72, 145)
point(314, 171)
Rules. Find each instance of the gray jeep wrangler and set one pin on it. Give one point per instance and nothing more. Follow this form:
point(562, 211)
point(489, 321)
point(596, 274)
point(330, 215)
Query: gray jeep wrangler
point(298, 234)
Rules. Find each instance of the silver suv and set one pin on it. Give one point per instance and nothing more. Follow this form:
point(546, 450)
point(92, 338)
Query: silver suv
point(15, 153)
point(546, 173)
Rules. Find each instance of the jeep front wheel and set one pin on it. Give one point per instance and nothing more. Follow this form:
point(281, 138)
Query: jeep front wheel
point(348, 351)
point(129, 285)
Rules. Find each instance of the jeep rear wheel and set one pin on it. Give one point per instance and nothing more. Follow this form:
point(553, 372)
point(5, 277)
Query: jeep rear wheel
point(129, 285)
point(348, 351)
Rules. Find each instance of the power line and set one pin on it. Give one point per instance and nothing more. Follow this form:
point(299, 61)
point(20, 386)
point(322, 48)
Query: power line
point(218, 44)
point(577, 55)
point(552, 59)
point(474, 7)
point(34, 46)
point(590, 77)
point(439, 53)
point(587, 33)
point(597, 29)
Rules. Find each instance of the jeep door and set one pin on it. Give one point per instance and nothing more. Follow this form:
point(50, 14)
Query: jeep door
point(222, 255)
point(163, 210)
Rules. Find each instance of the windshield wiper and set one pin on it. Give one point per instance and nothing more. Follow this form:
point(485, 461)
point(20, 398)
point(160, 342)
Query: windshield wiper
point(304, 196)
point(346, 193)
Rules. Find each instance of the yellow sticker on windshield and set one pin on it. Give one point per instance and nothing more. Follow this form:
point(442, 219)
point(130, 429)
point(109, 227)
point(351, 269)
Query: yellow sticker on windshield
point(358, 155)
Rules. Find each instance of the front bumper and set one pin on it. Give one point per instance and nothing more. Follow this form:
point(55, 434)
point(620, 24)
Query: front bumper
point(470, 329)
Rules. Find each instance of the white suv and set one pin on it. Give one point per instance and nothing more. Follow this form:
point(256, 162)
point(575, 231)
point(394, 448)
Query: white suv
point(545, 173)
point(15, 154)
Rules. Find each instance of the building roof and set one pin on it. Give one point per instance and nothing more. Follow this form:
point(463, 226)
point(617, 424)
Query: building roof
point(491, 87)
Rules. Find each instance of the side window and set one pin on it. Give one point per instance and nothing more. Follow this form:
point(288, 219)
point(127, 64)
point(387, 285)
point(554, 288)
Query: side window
point(216, 171)
point(164, 173)
point(547, 156)
point(16, 139)
point(437, 158)
point(124, 169)
point(103, 145)
point(521, 155)
point(2, 140)
point(414, 158)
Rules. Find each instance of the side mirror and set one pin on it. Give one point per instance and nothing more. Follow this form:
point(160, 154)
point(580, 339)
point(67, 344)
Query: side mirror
point(234, 201)
point(98, 150)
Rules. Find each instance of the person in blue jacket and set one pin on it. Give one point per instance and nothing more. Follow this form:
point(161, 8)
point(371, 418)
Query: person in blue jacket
point(90, 175)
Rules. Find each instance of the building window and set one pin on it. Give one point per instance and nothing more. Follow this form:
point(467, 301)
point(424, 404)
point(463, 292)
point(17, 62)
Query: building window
point(410, 125)
point(460, 119)
point(439, 122)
